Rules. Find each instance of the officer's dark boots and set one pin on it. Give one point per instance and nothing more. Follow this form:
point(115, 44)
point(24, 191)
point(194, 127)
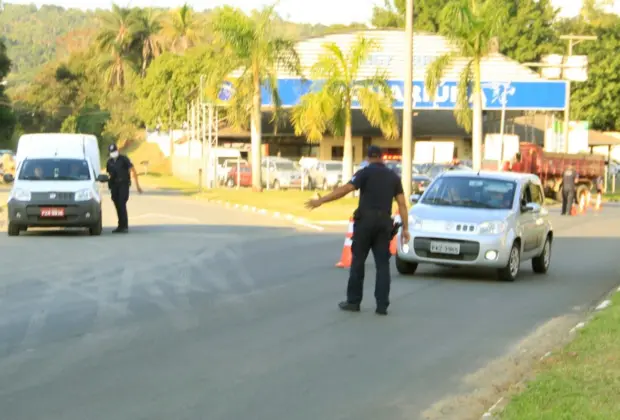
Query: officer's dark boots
point(350, 307)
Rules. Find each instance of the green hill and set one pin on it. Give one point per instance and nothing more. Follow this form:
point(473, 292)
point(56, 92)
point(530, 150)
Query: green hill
point(34, 36)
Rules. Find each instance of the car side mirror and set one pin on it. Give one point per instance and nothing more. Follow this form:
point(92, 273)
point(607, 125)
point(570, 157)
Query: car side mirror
point(415, 198)
point(103, 178)
point(8, 178)
point(532, 208)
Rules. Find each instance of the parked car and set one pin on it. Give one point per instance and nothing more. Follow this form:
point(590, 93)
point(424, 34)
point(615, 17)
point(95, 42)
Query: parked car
point(494, 220)
point(243, 177)
point(325, 175)
point(283, 173)
point(439, 168)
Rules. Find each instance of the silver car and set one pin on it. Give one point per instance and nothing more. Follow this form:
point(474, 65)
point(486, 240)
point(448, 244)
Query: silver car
point(486, 219)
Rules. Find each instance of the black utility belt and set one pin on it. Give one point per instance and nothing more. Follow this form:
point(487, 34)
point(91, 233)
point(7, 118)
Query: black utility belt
point(362, 213)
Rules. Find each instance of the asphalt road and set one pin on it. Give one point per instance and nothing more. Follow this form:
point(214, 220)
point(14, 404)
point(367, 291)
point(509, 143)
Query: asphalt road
point(207, 313)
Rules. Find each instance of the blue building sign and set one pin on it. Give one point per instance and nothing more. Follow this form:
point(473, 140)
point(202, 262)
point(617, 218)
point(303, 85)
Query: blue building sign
point(541, 95)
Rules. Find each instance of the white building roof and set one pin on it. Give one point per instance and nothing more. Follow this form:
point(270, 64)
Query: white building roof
point(391, 54)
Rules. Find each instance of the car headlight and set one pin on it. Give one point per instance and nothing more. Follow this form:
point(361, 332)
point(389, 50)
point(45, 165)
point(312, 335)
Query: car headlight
point(21, 195)
point(491, 228)
point(84, 195)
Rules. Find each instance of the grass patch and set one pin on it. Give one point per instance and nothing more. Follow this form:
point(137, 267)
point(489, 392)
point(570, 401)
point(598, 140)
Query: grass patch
point(582, 381)
point(141, 151)
point(611, 197)
point(286, 202)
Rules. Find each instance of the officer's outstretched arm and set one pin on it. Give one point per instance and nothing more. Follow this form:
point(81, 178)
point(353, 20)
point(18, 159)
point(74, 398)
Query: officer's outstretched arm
point(338, 193)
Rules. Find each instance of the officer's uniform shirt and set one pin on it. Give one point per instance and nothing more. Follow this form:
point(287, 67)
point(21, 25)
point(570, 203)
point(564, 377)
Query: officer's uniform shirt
point(119, 169)
point(569, 179)
point(378, 186)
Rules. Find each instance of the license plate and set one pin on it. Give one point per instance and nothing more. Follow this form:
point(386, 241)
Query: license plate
point(445, 248)
point(53, 212)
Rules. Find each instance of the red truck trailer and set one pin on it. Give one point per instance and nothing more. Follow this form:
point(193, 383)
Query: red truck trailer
point(549, 167)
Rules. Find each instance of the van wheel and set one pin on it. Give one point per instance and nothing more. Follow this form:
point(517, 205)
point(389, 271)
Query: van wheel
point(541, 263)
point(96, 229)
point(13, 229)
point(405, 267)
point(511, 271)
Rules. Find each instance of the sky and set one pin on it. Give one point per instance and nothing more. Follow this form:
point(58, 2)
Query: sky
point(309, 11)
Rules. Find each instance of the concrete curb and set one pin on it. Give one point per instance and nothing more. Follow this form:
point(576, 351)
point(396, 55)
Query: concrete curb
point(275, 214)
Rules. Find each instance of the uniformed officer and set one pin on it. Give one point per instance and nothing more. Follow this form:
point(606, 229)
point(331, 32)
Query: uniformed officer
point(120, 169)
point(372, 227)
point(569, 185)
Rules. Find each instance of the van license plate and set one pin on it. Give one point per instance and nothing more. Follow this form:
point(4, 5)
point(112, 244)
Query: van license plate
point(445, 248)
point(53, 212)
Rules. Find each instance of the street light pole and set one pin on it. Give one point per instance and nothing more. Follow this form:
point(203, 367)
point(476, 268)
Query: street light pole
point(407, 155)
point(572, 41)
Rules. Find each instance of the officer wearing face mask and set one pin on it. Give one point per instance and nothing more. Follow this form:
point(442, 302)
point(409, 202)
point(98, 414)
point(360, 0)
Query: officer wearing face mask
point(120, 168)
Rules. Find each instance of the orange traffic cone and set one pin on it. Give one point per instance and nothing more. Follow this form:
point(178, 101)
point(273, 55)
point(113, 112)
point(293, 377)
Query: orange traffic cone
point(573, 210)
point(347, 256)
point(598, 203)
point(582, 204)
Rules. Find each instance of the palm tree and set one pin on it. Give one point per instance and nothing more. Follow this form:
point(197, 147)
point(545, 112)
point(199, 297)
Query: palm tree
point(473, 26)
point(183, 29)
point(146, 27)
point(115, 40)
point(250, 45)
point(328, 108)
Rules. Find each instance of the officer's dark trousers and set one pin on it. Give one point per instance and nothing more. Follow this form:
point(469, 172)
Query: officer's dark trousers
point(568, 196)
point(120, 195)
point(371, 231)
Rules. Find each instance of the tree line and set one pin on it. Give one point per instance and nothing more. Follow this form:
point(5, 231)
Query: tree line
point(141, 63)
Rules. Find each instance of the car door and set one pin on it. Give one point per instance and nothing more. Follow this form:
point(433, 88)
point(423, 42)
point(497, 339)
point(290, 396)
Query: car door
point(526, 222)
point(246, 176)
point(539, 228)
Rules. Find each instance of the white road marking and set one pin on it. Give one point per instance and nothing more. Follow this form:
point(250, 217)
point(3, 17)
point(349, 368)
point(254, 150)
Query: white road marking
point(579, 326)
point(489, 413)
point(603, 305)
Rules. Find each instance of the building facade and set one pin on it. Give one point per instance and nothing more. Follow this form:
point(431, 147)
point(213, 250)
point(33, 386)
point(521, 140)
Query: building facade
point(506, 84)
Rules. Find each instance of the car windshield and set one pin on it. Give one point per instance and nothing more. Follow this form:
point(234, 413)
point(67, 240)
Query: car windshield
point(475, 192)
point(55, 170)
point(333, 167)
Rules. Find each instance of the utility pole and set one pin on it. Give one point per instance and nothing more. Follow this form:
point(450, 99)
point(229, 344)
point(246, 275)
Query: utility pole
point(407, 155)
point(170, 130)
point(572, 41)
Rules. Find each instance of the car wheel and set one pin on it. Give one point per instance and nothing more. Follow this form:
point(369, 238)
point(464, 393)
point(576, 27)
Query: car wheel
point(230, 183)
point(276, 185)
point(540, 264)
point(96, 229)
point(405, 267)
point(511, 271)
point(13, 229)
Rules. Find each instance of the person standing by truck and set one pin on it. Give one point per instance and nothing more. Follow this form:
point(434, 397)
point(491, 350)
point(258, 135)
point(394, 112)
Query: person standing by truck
point(569, 186)
point(120, 169)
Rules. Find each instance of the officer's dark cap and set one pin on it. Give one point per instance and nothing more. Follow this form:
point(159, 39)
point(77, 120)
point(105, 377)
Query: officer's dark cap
point(374, 152)
point(112, 148)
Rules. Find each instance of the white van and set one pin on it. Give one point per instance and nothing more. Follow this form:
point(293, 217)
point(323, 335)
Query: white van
point(56, 183)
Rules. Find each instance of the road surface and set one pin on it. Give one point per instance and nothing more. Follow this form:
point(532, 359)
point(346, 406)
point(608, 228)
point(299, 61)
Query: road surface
point(207, 313)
